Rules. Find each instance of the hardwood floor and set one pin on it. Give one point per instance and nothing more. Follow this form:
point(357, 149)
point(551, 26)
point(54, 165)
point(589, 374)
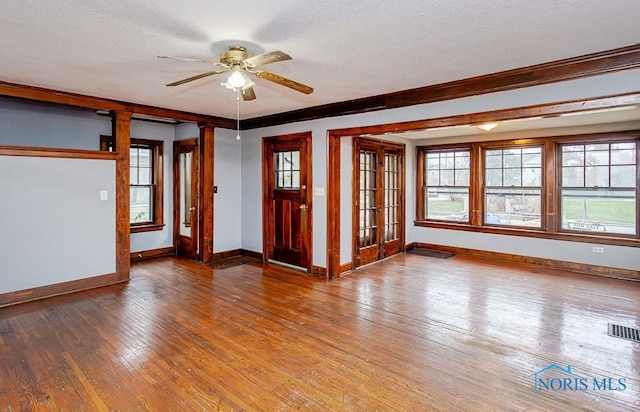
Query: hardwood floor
point(410, 333)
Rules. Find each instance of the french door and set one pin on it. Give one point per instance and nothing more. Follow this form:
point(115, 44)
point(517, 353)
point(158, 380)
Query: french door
point(287, 199)
point(378, 200)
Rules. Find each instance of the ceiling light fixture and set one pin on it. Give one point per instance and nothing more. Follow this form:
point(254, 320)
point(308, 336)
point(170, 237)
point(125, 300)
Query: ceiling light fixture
point(238, 81)
point(487, 127)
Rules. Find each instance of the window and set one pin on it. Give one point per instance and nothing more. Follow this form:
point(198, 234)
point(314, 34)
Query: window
point(581, 188)
point(287, 170)
point(446, 188)
point(599, 187)
point(513, 186)
point(146, 187)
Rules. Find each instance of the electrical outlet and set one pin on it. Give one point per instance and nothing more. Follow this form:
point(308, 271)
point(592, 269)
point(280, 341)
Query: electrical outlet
point(104, 195)
point(597, 249)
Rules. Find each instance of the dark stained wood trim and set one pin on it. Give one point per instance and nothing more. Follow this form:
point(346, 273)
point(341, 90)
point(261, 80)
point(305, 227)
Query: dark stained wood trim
point(588, 65)
point(121, 124)
point(347, 267)
point(541, 110)
point(227, 254)
point(552, 263)
point(410, 246)
point(551, 109)
point(550, 228)
point(251, 253)
point(58, 153)
point(146, 228)
point(380, 147)
point(572, 237)
point(74, 99)
point(42, 292)
point(306, 174)
point(205, 208)
point(333, 205)
point(319, 271)
point(153, 253)
point(157, 147)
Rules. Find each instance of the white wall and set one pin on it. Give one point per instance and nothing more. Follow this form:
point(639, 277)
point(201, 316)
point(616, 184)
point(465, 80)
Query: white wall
point(227, 203)
point(609, 84)
point(54, 227)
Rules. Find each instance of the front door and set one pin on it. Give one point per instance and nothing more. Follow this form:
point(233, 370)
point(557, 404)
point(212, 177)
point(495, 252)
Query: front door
point(185, 198)
point(378, 200)
point(287, 199)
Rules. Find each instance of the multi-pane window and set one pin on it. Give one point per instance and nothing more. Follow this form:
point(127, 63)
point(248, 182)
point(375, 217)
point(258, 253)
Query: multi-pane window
point(145, 174)
point(141, 183)
point(287, 170)
point(578, 188)
point(446, 186)
point(513, 186)
point(598, 187)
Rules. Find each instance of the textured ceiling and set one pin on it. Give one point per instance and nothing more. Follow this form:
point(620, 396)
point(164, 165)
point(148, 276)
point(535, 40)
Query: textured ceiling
point(344, 49)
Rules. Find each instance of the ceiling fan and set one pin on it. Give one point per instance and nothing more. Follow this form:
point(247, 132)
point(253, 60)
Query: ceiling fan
point(240, 64)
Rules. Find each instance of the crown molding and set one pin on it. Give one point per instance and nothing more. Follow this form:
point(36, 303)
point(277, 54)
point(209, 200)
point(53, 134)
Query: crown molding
point(73, 99)
point(624, 58)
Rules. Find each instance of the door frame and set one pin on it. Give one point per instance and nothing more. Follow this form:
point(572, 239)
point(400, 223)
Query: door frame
point(381, 147)
point(195, 221)
point(267, 183)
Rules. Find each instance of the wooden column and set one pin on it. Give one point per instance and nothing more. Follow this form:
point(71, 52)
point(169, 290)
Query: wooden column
point(121, 124)
point(333, 206)
point(205, 230)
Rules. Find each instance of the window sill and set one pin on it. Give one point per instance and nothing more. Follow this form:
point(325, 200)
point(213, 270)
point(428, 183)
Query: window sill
point(572, 237)
point(146, 228)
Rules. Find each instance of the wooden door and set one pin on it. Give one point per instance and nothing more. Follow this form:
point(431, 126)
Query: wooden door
point(378, 200)
point(287, 199)
point(185, 198)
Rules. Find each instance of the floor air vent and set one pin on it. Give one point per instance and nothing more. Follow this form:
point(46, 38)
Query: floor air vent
point(624, 332)
point(430, 253)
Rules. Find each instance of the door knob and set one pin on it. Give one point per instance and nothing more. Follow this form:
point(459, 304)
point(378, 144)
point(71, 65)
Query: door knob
point(192, 208)
point(303, 207)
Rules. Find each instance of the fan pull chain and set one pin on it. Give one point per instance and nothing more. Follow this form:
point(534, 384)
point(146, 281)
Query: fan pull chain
point(238, 113)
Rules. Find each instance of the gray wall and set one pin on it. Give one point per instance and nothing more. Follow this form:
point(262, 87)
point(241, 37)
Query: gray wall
point(54, 226)
point(159, 238)
point(37, 124)
point(227, 202)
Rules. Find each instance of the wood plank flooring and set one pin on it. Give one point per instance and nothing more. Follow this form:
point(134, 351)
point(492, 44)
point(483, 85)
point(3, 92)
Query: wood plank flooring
point(411, 333)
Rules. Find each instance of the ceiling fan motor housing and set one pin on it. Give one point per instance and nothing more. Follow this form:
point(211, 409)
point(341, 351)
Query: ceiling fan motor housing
point(234, 55)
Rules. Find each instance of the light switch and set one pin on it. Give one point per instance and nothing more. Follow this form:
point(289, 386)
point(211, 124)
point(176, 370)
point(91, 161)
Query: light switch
point(318, 191)
point(104, 195)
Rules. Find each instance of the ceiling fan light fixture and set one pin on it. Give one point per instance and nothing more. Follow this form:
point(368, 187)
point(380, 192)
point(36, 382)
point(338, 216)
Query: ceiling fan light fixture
point(487, 127)
point(237, 79)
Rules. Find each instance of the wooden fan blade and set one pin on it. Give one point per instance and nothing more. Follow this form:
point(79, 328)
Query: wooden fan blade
point(199, 76)
point(303, 88)
point(266, 58)
point(186, 59)
point(248, 94)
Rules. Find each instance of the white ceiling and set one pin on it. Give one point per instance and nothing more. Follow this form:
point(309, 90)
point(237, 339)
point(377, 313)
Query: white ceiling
point(344, 49)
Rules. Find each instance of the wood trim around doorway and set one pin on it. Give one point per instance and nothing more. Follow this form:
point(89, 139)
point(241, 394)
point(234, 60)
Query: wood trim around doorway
point(308, 171)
